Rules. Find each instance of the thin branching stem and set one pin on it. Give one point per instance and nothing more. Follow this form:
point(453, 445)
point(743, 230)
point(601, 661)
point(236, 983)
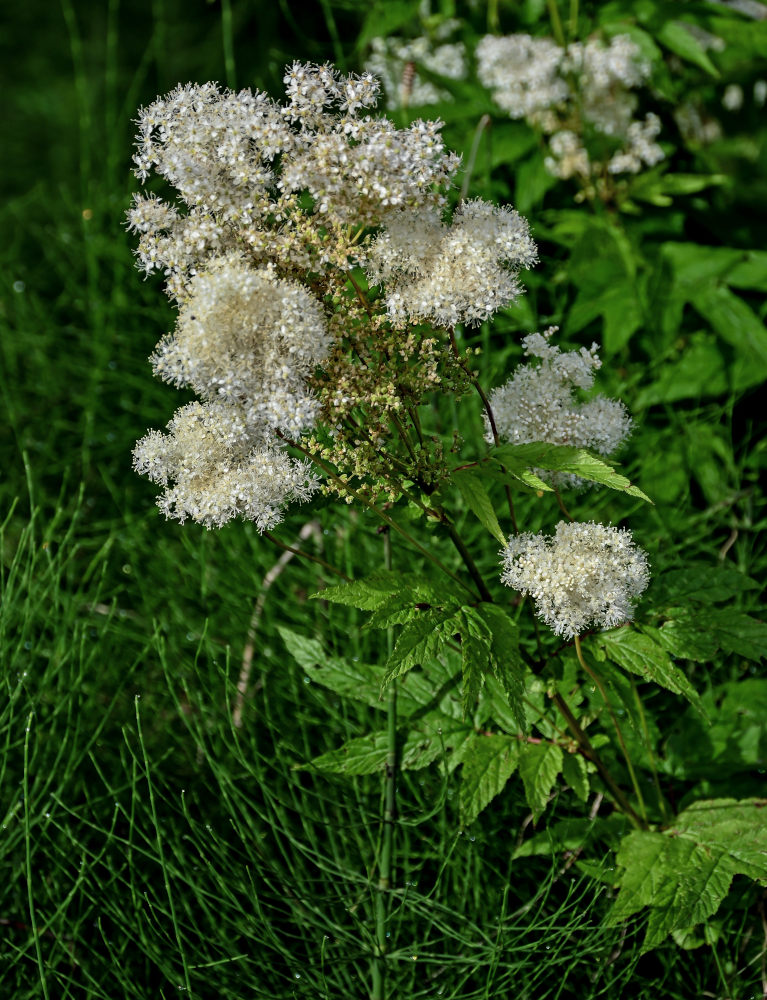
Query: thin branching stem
point(490, 419)
point(375, 510)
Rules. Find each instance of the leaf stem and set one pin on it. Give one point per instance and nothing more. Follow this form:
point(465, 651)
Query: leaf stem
point(556, 22)
point(598, 681)
point(490, 418)
point(585, 744)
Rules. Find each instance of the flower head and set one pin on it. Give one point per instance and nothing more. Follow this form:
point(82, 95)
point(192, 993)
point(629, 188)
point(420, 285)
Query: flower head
point(585, 575)
point(215, 464)
point(461, 273)
point(539, 403)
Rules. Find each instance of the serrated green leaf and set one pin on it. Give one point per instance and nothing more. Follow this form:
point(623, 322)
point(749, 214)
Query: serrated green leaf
point(488, 763)
point(478, 501)
point(435, 735)
point(421, 639)
point(539, 765)
point(564, 458)
point(737, 633)
point(507, 662)
point(379, 590)
point(684, 873)
point(362, 755)
point(682, 882)
point(684, 640)
point(346, 677)
point(476, 640)
point(368, 594)
point(639, 654)
point(576, 775)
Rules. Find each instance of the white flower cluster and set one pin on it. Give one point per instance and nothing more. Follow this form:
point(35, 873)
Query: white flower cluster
point(538, 404)
point(562, 90)
point(448, 274)
point(523, 73)
point(395, 61)
point(217, 465)
point(241, 162)
point(245, 341)
point(585, 575)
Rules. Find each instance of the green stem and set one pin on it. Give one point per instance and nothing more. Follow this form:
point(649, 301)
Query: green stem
point(468, 561)
point(228, 39)
point(598, 681)
point(585, 744)
point(556, 22)
point(573, 21)
point(561, 503)
point(482, 125)
point(490, 419)
point(386, 864)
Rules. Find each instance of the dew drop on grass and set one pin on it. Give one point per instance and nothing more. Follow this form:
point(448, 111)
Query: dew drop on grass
point(18, 287)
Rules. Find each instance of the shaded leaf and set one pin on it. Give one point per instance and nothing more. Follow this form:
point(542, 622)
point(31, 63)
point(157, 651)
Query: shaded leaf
point(477, 499)
point(576, 775)
point(539, 765)
point(676, 36)
point(684, 873)
point(488, 763)
point(507, 662)
point(639, 654)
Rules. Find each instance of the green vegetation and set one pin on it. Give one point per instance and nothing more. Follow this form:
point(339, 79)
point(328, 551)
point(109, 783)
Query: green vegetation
point(192, 747)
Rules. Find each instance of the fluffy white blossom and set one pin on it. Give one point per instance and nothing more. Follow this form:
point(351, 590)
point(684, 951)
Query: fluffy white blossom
point(567, 156)
point(564, 90)
point(732, 98)
point(539, 403)
point(585, 575)
point(522, 72)
point(448, 274)
point(215, 464)
point(241, 164)
point(394, 61)
point(247, 336)
point(640, 149)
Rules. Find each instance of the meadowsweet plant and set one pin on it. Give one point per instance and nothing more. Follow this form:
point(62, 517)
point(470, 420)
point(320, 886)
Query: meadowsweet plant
point(325, 278)
point(581, 97)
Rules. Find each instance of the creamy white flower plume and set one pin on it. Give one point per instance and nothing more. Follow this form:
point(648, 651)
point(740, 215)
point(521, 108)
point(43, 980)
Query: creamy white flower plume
point(562, 90)
point(241, 163)
point(522, 72)
point(245, 335)
point(461, 273)
point(216, 465)
point(538, 403)
point(585, 575)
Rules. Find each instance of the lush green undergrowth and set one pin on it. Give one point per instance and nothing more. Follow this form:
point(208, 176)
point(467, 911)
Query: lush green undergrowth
point(161, 834)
